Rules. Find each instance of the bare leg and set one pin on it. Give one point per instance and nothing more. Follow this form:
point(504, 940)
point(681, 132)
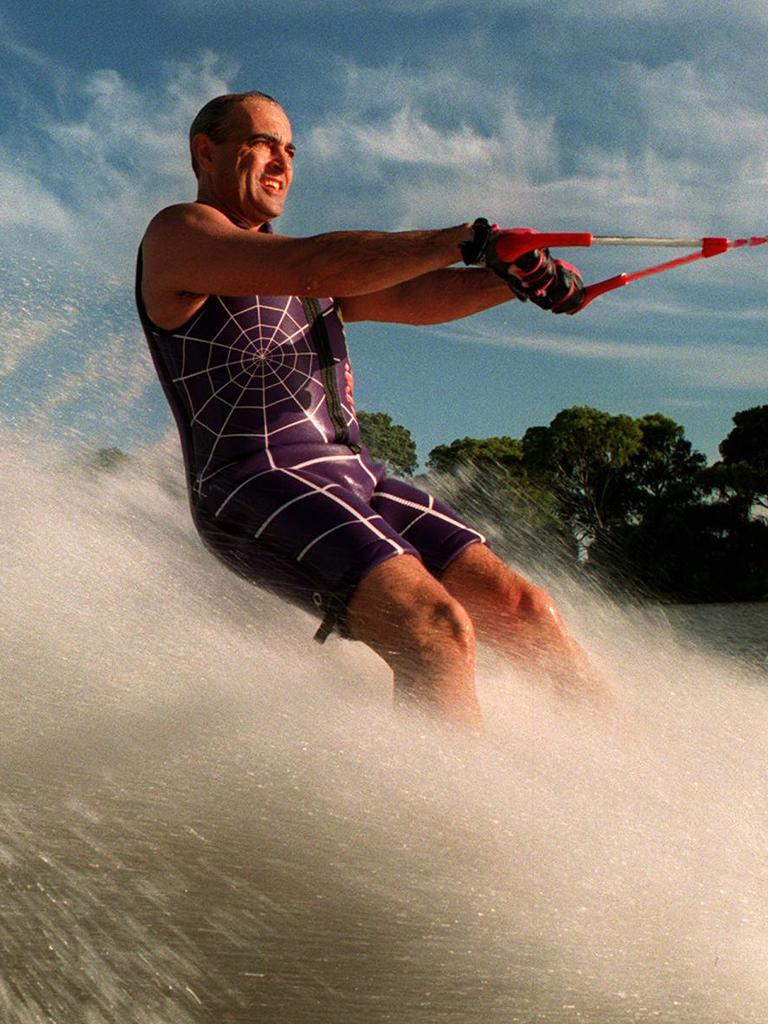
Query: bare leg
point(408, 618)
point(521, 620)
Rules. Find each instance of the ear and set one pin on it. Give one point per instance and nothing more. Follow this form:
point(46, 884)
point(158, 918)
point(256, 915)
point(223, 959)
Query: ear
point(202, 148)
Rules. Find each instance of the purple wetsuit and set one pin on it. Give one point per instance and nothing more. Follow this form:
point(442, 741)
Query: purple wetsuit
point(280, 487)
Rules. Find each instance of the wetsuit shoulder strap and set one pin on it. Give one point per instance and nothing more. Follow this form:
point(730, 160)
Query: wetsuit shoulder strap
point(319, 332)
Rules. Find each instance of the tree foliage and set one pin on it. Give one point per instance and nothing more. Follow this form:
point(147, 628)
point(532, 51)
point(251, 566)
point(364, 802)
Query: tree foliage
point(490, 487)
point(665, 466)
point(742, 475)
point(388, 442)
point(748, 441)
point(582, 455)
point(503, 452)
point(628, 500)
point(637, 500)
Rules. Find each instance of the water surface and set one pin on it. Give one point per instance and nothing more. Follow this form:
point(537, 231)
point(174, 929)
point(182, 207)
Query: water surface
point(207, 819)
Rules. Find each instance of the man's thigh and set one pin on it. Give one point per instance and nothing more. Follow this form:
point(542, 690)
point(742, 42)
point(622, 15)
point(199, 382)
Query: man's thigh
point(305, 537)
point(499, 599)
point(478, 568)
point(437, 532)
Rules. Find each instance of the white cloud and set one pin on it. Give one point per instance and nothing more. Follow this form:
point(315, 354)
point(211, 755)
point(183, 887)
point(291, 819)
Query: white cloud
point(104, 386)
point(27, 203)
point(709, 138)
point(576, 10)
point(404, 138)
point(435, 144)
point(429, 146)
point(336, 7)
point(691, 164)
point(94, 181)
point(20, 334)
point(728, 365)
point(664, 13)
point(75, 198)
point(414, 146)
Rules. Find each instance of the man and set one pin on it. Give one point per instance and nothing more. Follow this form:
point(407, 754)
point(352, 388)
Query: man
point(252, 356)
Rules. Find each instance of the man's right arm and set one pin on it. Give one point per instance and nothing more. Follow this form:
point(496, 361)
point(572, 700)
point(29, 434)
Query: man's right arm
point(193, 249)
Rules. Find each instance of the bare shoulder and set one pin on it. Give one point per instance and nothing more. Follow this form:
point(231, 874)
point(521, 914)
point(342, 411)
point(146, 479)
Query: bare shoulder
point(191, 251)
point(183, 220)
point(168, 244)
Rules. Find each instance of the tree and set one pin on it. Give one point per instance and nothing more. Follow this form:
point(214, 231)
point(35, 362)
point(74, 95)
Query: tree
point(742, 476)
point(665, 467)
point(581, 456)
point(388, 442)
point(672, 540)
point(748, 441)
point(485, 480)
point(503, 452)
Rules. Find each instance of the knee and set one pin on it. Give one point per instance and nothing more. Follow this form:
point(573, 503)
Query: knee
point(437, 627)
point(534, 605)
point(410, 619)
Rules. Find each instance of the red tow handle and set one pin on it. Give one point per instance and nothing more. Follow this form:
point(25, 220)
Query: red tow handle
point(709, 247)
point(514, 243)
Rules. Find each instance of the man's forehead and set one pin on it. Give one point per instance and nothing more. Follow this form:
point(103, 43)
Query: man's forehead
point(258, 115)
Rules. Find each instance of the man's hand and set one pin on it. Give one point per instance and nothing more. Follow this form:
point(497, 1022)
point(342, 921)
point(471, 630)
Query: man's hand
point(551, 284)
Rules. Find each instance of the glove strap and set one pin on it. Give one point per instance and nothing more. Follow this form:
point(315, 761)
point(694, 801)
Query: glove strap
point(535, 270)
point(474, 252)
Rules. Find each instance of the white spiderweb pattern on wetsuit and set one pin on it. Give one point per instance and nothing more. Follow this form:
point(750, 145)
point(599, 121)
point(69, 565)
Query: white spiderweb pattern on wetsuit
point(255, 378)
point(301, 511)
point(255, 382)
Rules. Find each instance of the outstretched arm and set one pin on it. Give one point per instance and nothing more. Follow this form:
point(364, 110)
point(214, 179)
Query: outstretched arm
point(450, 294)
point(434, 298)
point(193, 249)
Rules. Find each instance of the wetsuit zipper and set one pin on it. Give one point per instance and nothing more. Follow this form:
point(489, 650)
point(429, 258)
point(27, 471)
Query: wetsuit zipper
point(319, 333)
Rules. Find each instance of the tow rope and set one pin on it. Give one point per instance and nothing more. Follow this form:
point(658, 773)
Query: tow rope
point(511, 246)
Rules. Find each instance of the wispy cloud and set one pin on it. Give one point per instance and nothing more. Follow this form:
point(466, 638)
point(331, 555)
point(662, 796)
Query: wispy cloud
point(559, 119)
point(729, 365)
point(404, 138)
point(699, 148)
point(664, 12)
point(20, 334)
point(76, 191)
point(576, 10)
point(424, 8)
point(29, 204)
point(92, 180)
point(103, 388)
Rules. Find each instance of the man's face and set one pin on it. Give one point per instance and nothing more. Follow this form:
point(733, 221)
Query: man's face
point(252, 170)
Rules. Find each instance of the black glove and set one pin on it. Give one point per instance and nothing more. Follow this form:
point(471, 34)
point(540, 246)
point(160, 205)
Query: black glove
point(550, 284)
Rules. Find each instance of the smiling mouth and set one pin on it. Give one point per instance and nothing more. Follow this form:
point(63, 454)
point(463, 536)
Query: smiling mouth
point(272, 184)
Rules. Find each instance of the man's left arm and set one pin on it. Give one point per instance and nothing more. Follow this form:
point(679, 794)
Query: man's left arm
point(434, 298)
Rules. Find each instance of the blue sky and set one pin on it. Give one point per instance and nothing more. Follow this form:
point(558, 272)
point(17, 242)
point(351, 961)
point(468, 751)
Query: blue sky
point(615, 118)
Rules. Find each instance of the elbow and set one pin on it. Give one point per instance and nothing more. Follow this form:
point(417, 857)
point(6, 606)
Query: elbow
point(308, 286)
point(320, 286)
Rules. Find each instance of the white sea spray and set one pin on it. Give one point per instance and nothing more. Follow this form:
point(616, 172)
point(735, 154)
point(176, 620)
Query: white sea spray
point(205, 817)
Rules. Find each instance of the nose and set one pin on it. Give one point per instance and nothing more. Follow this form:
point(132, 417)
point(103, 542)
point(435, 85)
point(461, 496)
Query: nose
point(279, 158)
